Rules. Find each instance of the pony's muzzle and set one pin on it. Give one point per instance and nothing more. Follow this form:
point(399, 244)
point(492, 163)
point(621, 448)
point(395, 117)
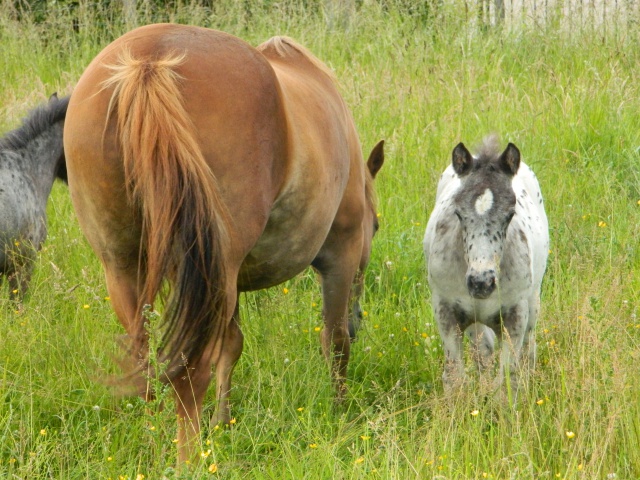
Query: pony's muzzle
point(481, 284)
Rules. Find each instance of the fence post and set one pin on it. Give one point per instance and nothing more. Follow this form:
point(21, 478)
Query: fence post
point(130, 13)
point(499, 11)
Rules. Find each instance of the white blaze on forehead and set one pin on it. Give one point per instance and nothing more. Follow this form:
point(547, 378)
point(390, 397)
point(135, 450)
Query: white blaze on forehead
point(484, 202)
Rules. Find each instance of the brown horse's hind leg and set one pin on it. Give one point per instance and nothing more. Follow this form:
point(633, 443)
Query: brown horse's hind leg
point(122, 286)
point(229, 353)
point(191, 388)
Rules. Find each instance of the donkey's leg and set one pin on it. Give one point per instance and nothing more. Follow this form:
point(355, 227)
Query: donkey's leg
point(225, 360)
point(451, 335)
point(18, 285)
point(19, 282)
point(515, 322)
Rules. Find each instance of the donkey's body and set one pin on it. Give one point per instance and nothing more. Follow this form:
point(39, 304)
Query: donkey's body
point(31, 157)
point(486, 247)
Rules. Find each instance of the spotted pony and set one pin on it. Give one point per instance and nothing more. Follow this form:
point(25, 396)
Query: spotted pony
point(486, 247)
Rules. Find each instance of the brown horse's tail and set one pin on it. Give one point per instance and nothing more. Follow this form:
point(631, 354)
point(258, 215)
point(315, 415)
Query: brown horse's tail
point(184, 221)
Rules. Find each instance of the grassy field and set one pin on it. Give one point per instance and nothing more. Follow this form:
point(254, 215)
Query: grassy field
point(423, 82)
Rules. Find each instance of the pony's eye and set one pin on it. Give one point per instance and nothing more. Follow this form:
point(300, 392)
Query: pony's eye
point(458, 215)
point(510, 217)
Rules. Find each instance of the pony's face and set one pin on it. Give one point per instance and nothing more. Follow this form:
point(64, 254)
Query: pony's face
point(484, 206)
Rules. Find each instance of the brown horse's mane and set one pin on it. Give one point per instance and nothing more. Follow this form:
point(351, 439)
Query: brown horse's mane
point(286, 47)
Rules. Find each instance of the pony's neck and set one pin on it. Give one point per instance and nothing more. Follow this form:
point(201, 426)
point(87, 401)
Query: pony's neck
point(38, 158)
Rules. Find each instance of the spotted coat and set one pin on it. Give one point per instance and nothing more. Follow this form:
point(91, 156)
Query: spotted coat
point(486, 247)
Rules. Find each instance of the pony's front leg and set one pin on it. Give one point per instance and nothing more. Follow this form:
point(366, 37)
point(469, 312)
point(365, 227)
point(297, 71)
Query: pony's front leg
point(451, 336)
point(483, 344)
point(515, 321)
point(355, 320)
point(529, 342)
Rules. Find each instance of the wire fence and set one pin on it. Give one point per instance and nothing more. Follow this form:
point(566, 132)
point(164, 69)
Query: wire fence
point(580, 15)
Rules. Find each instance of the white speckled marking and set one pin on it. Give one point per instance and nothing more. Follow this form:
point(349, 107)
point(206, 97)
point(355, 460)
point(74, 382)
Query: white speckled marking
point(484, 202)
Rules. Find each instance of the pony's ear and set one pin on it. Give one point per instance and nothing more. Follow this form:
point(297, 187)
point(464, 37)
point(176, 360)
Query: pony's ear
point(461, 159)
point(54, 96)
point(376, 159)
point(510, 159)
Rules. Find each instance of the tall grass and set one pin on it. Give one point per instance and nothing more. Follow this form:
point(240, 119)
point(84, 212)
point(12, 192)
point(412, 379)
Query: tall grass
point(423, 81)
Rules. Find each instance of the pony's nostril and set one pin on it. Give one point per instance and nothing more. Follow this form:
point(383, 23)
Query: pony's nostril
point(481, 285)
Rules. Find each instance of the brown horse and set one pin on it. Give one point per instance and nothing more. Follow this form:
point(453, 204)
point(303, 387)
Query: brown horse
point(199, 162)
